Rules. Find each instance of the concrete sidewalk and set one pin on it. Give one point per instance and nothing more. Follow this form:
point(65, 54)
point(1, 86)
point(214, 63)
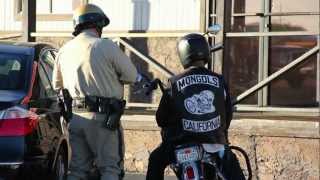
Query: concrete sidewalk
point(143, 177)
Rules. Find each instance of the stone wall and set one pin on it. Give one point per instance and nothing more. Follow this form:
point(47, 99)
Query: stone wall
point(287, 158)
point(139, 144)
point(272, 157)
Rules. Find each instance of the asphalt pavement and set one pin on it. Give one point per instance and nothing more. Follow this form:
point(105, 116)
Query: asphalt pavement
point(143, 177)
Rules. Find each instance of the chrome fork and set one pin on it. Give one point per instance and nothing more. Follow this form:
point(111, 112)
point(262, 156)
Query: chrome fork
point(207, 158)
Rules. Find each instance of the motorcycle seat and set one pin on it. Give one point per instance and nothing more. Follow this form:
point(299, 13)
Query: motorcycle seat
point(214, 148)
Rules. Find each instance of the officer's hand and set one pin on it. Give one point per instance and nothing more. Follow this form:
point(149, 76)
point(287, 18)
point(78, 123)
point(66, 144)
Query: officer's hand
point(139, 78)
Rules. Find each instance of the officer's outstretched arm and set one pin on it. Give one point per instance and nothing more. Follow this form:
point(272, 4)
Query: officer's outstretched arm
point(125, 69)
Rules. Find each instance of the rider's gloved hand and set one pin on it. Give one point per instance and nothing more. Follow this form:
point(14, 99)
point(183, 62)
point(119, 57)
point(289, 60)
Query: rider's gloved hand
point(141, 81)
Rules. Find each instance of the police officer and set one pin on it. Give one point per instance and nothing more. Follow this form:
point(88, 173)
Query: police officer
point(94, 70)
point(195, 109)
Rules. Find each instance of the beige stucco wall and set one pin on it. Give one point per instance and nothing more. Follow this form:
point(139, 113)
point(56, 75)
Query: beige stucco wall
point(281, 156)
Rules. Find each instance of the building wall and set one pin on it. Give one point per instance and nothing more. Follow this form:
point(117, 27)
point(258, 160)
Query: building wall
point(7, 18)
point(153, 15)
point(125, 15)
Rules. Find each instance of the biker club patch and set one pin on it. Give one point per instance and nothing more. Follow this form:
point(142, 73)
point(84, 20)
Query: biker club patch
point(201, 103)
point(197, 79)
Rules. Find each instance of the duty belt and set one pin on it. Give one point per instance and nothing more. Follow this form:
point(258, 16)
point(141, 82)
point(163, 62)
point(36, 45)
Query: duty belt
point(91, 104)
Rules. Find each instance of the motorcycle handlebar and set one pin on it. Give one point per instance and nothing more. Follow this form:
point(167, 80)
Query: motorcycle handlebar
point(216, 48)
point(150, 85)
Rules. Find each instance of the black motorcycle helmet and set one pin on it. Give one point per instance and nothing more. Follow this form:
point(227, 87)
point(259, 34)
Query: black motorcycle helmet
point(193, 47)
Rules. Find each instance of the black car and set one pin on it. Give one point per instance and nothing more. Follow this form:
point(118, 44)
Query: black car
point(33, 135)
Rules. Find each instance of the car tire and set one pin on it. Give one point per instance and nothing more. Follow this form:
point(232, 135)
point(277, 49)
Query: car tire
point(61, 166)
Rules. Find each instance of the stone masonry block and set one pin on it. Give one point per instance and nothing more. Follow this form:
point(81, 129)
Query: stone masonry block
point(139, 145)
point(288, 158)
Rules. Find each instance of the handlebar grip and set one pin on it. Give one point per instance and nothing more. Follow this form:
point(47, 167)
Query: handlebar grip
point(216, 48)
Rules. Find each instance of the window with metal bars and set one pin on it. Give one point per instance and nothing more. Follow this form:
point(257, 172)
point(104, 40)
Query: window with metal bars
point(275, 33)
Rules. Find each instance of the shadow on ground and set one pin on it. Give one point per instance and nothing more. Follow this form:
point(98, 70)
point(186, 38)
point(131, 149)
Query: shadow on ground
point(142, 177)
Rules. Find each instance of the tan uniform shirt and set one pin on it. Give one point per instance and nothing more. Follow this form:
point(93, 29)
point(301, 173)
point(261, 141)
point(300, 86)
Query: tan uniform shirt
point(88, 65)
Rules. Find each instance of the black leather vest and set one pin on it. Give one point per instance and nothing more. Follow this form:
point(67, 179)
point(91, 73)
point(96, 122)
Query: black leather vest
point(199, 98)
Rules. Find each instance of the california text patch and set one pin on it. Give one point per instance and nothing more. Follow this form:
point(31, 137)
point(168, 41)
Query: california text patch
point(201, 126)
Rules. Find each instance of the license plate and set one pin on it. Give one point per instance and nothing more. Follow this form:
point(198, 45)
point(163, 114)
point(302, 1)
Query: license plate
point(187, 154)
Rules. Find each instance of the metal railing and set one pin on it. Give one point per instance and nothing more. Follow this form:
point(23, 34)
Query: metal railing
point(276, 14)
point(153, 63)
point(111, 34)
point(265, 34)
point(10, 36)
point(276, 74)
point(148, 60)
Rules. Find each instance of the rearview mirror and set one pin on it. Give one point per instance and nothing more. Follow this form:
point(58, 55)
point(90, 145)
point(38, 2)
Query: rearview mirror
point(214, 29)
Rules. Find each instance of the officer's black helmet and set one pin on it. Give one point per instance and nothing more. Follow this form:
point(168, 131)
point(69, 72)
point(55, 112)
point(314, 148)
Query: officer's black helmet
point(193, 47)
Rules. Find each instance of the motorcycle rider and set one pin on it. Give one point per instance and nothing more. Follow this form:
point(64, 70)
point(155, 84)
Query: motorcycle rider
point(196, 108)
point(94, 71)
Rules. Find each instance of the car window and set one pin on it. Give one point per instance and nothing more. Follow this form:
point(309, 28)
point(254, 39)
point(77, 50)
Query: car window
point(12, 72)
point(46, 63)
